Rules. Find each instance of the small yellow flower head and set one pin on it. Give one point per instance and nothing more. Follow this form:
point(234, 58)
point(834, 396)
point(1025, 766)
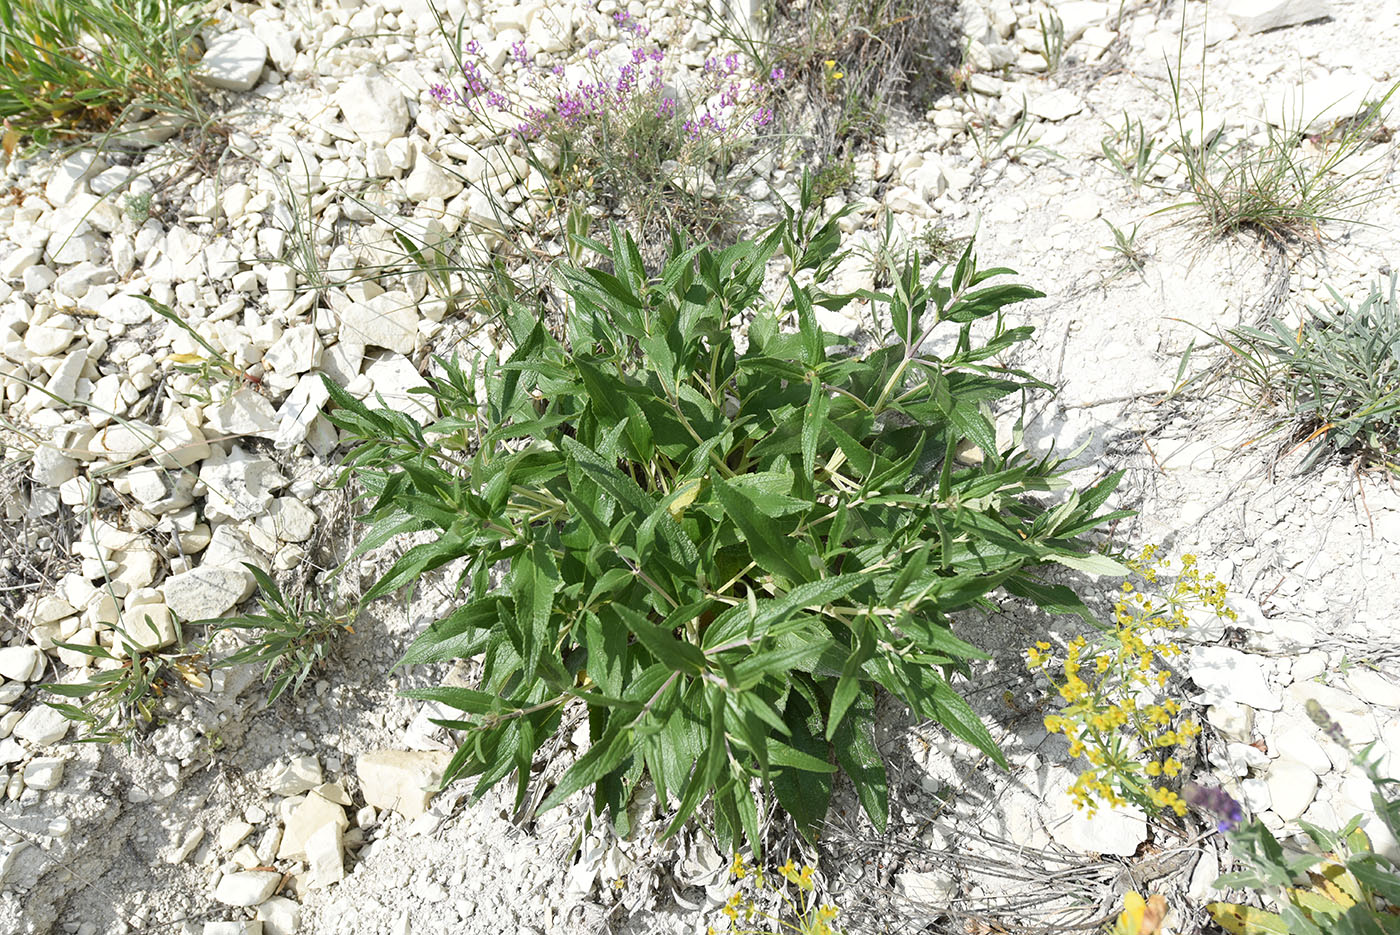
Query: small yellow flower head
point(738, 868)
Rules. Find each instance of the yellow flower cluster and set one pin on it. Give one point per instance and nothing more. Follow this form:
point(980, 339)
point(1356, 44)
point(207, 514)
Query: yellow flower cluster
point(1128, 743)
point(808, 915)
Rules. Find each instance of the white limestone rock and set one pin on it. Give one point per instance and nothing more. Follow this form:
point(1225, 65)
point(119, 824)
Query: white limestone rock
point(71, 175)
point(150, 626)
point(402, 780)
point(1117, 830)
point(1260, 15)
point(21, 663)
point(374, 108)
point(1225, 674)
point(42, 726)
point(389, 320)
point(430, 180)
point(246, 412)
point(299, 774)
point(297, 351)
point(279, 916)
point(51, 468)
point(247, 887)
point(239, 486)
point(1056, 105)
point(1292, 787)
point(305, 820)
point(206, 592)
point(234, 61)
point(44, 772)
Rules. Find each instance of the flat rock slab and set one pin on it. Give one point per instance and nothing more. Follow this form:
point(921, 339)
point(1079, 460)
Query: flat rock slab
point(204, 593)
point(1261, 15)
point(402, 780)
point(234, 61)
point(374, 108)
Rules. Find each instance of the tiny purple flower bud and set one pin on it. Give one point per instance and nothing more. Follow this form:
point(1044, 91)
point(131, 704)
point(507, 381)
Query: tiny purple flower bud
point(1227, 812)
point(777, 74)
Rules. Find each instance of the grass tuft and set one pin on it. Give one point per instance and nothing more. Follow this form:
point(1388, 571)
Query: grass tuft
point(69, 67)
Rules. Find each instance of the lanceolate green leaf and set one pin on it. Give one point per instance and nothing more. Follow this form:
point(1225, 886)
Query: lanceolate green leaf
point(718, 552)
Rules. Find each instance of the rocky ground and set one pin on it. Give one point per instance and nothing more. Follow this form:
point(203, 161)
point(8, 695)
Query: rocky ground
point(133, 491)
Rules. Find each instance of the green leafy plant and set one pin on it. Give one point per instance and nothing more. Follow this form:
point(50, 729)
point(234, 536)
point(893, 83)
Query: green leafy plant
point(123, 696)
point(70, 66)
point(1131, 151)
point(209, 370)
point(1052, 40)
point(1282, 186)
point(1131, 257)
point(1336, 375)
point(1347, 888)
point(713, 551)
point(621, 139)
point(290, 637)
point(857, 61)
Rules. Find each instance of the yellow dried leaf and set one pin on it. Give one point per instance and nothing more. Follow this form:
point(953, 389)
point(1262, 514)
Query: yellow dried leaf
point(1246, 920)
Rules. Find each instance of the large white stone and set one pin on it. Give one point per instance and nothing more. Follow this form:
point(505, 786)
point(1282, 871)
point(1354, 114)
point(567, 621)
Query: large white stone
point(1225, 674)
point(402, 780)
point(300, 409)
point(1292, 787)
point(1374, 688)
point(234, 61)
point(239, 486)
point(389, 320)
point(1056, 105)
point(71, 175)
point(313, 814)
point(374, 108)
point(51, 468)
point(430, 180)
point(1111, 830)
point(1298, 742)
point(1260, 15)
point(325, 855)
point(297, 351)
point(392, 377)
point(21, 663)
point(246, 412)
point(247, 887)
point(41, 726)
point(44, 772)
point(280, 916)
point(204, 593)
point(299, 774)
point(150, 626)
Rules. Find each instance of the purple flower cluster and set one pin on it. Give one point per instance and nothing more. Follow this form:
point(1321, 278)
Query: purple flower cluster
point(638, 86)
point(1227, 812)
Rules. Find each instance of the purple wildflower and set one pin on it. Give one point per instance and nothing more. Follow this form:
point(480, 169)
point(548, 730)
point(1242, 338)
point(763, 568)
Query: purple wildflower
point(777, 74)
point(497, 100)
point(1319, 716)
point(1227, 812)
point(473, 47)
point(440, 93)
point(667, 108)
point(519, 52)
point(763, 117)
